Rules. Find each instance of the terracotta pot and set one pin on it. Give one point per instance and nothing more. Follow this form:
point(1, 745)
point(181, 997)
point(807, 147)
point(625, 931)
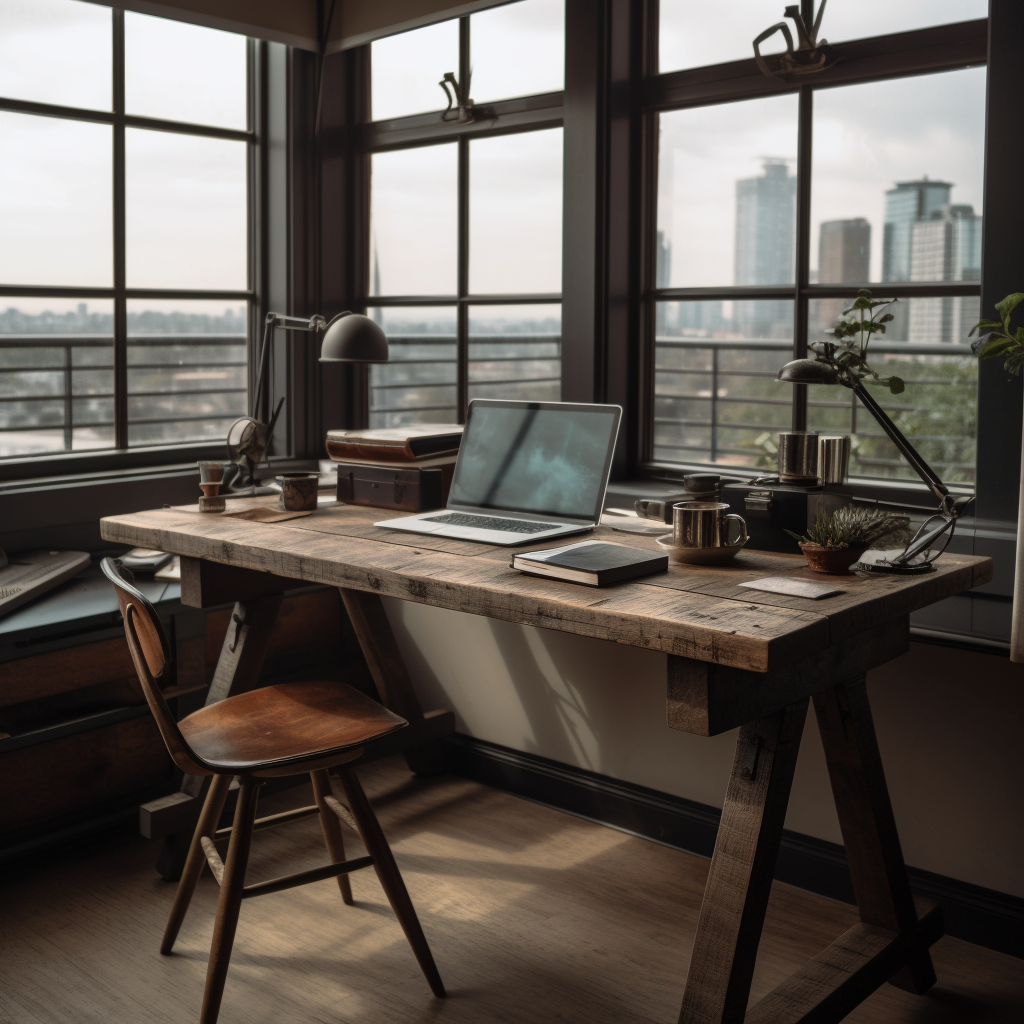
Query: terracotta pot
point(836, 561)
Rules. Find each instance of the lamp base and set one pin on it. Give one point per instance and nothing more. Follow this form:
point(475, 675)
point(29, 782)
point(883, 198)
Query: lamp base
point(888, 569)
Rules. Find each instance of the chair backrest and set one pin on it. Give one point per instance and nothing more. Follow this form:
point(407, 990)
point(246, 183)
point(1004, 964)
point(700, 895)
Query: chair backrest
point(151, 654)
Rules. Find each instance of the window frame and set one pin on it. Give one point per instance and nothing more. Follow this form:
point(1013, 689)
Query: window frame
point(121, 456)
point(900, 55)
point(504, 117)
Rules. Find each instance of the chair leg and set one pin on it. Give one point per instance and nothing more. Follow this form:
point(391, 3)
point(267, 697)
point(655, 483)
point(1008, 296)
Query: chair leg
point(331, 828)
point(390, 877)
point(230, 899)
point(194, 864)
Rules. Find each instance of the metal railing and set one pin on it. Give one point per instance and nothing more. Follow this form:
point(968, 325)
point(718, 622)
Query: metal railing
point(420, 383)
point(699, 381)
point(57, 390)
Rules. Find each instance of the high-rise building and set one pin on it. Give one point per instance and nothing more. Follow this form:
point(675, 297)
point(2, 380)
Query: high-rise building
point(765, 246)
point(844, 257)
point(945, 246)
point(905, 205)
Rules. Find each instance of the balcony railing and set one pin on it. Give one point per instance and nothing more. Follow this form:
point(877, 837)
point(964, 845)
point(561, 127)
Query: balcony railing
point(57, 391)
point(716, 399)
point(419, 382)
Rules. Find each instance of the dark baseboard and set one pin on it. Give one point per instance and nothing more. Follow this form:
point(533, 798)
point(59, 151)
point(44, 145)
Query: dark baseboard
point(982, 916)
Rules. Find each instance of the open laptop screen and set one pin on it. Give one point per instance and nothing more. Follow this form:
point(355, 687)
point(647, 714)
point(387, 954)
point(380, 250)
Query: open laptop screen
point(549, 458)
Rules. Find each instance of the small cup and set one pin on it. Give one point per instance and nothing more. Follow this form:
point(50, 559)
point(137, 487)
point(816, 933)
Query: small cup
point(298, 491)
point(833, 459)
point(210, 471)
point(706, 524)
point(798, 456)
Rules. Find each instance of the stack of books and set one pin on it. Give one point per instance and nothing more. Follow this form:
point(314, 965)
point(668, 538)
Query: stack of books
point(408, 469)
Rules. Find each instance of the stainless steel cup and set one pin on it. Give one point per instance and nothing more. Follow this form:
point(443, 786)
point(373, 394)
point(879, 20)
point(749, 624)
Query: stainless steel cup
point(833, 458)
point(798, 456)
point(705, 524)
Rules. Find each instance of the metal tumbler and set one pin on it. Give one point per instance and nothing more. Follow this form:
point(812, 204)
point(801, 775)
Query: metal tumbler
point(798, 456)
point(705, 524)
point(833, 458)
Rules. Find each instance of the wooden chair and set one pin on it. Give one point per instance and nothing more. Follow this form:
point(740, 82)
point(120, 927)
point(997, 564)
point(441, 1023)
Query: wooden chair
point(279, 730)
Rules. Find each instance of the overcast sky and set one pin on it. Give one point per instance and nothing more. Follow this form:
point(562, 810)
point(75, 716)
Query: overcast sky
point(186, 195)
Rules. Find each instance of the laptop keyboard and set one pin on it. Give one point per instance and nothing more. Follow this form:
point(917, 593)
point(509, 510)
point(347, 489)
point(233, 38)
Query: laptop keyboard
point(492, 523)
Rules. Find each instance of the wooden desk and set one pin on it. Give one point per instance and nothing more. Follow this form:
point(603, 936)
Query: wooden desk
point(736, 657)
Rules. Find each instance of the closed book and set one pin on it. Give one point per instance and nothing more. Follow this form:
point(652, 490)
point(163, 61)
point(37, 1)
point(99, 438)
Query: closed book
point(410, 443)
point(594, 563)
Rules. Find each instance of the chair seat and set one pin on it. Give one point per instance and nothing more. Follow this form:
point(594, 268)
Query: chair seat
point(285, 723)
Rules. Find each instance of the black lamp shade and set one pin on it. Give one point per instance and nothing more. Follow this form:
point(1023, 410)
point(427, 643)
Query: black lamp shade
point(353, 338)
point(808, 371)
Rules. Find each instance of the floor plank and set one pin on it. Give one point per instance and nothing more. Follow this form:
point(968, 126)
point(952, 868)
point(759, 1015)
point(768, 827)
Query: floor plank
point(533, 915)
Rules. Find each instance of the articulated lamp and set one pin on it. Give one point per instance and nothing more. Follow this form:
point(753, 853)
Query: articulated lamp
point(821, 371)
point(348, 338)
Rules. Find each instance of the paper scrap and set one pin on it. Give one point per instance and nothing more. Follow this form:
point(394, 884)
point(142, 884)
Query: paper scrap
point(794, 587)
point(263, 514)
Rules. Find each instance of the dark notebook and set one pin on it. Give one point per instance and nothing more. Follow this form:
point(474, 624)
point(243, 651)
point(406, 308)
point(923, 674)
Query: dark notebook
point(592, 562)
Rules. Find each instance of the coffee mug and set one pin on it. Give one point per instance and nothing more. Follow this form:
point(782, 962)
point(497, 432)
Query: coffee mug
point(705, 524)
point(298, 491)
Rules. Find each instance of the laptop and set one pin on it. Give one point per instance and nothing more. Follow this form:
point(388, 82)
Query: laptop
point(526, 471)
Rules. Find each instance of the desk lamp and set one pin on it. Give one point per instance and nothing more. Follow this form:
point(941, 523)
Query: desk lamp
point(824, 370)
point(348, 338)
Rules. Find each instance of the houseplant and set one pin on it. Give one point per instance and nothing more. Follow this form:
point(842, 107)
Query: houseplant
point(866, 317)
point(838, 539)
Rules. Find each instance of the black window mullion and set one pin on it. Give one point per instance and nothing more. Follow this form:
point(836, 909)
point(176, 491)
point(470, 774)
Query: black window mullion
point(462, 309)
point(802, 270)
point(120, 300)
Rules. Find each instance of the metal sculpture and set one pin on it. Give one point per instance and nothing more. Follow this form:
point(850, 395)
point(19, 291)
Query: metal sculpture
point(810, 57)
point(458, 96)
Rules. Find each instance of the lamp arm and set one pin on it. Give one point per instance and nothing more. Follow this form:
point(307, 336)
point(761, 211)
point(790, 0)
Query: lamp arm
point(906, 449)
point(288, 323)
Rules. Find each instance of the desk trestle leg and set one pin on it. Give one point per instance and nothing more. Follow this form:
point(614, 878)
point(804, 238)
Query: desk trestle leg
point(891, 941)
point(869, 828)
point(740, 879)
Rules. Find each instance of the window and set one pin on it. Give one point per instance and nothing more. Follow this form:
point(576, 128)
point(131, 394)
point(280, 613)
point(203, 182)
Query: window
point(125, 281)
point(465, 226)
point(774, 207)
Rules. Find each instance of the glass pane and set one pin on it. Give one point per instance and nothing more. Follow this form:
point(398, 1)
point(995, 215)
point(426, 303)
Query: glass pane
point(515, 213)
point(56, 212)
point(727, 211)
point(417, 385)
point(184, 72)
point(56, 51)
point(695, 33)
point(515, 352)
point(518, 50)
point(56, 375)
point(186, 370)
point(414, 221)
point(898, 198)
point(186, 211)
point(715, 394)
point(926, 345)
point(405, 70)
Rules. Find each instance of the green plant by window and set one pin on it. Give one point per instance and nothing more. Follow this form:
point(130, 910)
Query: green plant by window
point(849, 353)
point(1001, 339)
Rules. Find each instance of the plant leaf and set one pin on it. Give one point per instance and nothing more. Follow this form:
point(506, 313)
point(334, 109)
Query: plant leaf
point(896, 385)
point(1009, 304)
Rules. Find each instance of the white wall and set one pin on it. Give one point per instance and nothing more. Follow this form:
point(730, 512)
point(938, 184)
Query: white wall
point(950, 725)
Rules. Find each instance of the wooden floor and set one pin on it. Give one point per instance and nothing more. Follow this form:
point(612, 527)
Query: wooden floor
point(533, 916)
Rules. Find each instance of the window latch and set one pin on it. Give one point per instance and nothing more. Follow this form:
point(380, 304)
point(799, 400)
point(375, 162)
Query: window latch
point(458, 96)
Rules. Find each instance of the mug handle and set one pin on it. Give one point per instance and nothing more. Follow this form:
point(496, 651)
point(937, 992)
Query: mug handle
point(742, 538)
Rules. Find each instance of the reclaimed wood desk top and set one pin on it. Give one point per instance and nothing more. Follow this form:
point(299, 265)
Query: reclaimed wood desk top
point(696, 612)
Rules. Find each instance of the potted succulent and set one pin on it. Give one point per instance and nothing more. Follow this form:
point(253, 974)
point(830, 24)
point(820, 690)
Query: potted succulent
point(838, 539)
